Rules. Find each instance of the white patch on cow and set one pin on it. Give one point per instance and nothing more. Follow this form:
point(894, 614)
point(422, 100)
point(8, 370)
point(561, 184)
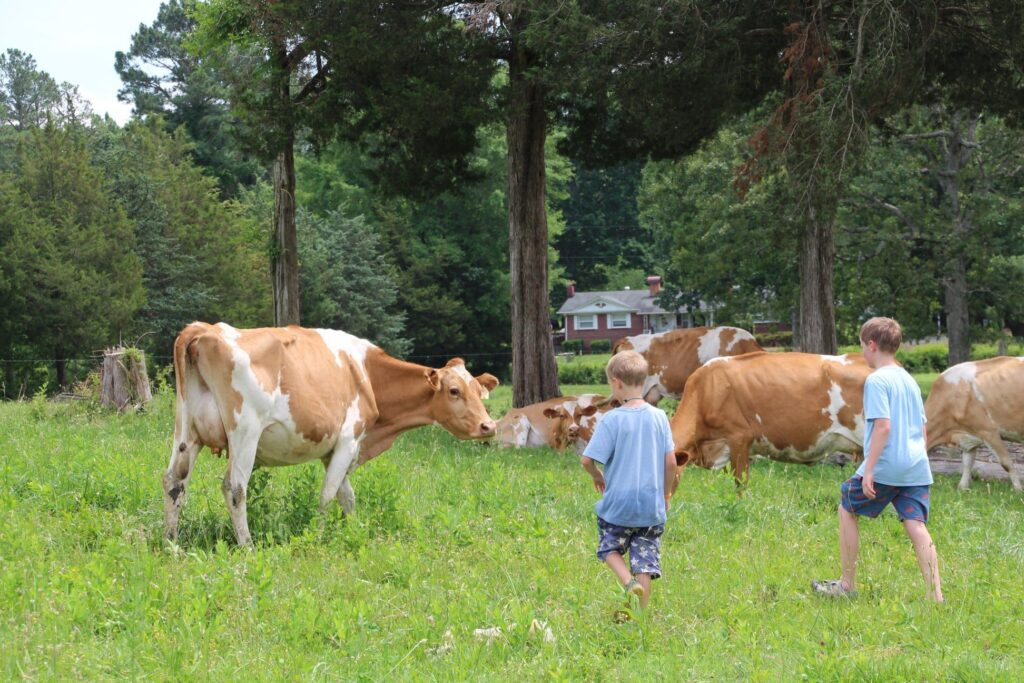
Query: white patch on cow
point(352, 346)
point(740, 335)
point(719, 359)
point(842, 360)
point(962, 372)
point(758, 418)
point(228, 333)
point(710, 346)
point(642, 342)
point(463, 373)
point(835, 404)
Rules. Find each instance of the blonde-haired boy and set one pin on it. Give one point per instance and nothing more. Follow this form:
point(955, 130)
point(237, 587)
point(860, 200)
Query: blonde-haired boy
point(634, 445)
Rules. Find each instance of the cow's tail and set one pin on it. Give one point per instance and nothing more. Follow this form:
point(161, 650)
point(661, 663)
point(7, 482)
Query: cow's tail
point(184, 364)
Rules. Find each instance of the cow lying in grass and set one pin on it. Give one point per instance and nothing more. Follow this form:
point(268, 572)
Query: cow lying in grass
point(559, 423)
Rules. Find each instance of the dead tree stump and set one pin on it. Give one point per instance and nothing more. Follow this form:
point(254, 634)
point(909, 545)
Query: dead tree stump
point(124, 381)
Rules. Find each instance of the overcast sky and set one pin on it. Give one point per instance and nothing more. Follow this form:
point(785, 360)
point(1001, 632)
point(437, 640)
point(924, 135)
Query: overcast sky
point(75, 41)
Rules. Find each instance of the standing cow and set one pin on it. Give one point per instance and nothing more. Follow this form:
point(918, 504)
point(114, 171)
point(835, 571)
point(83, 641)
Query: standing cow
point(978, 402)
point(791, 407)
point(284, 396)
point(673, 356)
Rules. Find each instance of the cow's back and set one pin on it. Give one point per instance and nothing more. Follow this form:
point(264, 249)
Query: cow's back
point(977, 396)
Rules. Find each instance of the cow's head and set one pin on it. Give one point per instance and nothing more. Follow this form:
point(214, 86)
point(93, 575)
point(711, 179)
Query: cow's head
point(576, 420)
point(457, 403)
point(622, 345)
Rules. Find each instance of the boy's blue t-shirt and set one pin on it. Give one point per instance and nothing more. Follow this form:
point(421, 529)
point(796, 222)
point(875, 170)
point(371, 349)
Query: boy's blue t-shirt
point(631, 443)
point(890, 392)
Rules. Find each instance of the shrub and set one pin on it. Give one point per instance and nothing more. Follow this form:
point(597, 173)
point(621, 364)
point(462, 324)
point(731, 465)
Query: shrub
point(924, 358)
point(573, 345)
point(601, 346)
point(576, 373)
point(767, 339)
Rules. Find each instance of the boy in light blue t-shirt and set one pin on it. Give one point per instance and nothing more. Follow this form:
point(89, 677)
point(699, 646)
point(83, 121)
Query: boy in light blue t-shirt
point(895, 468)
point(634, 443)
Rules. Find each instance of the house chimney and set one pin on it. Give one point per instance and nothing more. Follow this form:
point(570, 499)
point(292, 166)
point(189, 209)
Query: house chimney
point(654, 282)
point(570, 290)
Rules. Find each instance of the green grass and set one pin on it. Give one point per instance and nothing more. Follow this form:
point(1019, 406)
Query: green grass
point(450, 537)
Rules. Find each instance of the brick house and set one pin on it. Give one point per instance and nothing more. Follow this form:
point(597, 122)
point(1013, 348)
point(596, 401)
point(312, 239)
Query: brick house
point(590, 316)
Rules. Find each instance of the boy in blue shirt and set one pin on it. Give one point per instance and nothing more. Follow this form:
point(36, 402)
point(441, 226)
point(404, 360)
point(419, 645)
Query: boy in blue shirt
point(634, 444)
point(895, 469)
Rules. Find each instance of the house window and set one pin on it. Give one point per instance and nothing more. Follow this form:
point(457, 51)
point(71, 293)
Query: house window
point(585, 322)
point(618, 320)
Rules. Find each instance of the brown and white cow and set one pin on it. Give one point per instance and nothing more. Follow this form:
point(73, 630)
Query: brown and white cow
point(978, 402)
point(792, 407)
point(557, 422)
point(284, 396)
point(673, 356)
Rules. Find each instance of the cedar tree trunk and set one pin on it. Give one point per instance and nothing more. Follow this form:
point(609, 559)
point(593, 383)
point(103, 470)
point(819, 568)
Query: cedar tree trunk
point(534, 376)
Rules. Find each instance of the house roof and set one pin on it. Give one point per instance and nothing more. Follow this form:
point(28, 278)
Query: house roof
point(624, 301)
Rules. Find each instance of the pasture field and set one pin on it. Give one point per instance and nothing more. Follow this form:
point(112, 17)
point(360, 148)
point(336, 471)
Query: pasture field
point(450, 537)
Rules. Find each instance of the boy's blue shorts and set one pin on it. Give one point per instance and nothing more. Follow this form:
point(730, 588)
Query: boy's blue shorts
point(910, 502)
point(643, 543)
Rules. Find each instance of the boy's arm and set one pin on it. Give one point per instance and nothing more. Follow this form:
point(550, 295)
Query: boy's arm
point(879, 435)
point(591, 467)
point(671, 476)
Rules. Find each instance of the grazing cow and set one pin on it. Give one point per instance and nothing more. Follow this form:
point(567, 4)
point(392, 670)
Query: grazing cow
point(557, 422)
point(673, 356)
point(978, 402)
point(792, 407)
point(283, 396)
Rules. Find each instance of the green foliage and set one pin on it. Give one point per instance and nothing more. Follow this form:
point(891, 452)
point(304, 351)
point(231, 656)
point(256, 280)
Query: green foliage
point(578, 373)
point(573, 345)
point(345, 282)
point(203, 258)
point(924, 358)
point(79, 278)
point(362, 598)
point(601, 346)
point(770, 339)
point(162, 79)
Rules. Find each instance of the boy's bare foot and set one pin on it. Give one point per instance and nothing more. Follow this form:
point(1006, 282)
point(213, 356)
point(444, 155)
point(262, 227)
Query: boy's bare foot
point(633, 588)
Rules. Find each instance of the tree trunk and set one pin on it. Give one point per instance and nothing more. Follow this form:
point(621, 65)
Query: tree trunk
point(285, 256)
point(957, 319)
point(534, 375)
point(61, 366)
point(817, 329)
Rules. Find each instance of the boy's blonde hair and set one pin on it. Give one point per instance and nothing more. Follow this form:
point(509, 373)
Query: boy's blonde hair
point(629, 367)
point(885, 332)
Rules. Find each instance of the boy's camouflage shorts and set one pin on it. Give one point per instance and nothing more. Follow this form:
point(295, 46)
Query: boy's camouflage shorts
point(643, 544)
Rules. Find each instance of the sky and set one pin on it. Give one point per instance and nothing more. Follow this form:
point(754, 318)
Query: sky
point(75, 41)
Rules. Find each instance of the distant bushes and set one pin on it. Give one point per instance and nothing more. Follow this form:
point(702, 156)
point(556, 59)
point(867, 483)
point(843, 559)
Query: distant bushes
point(601, 346)
point(772, 339)
point(572, 346)
point(579, 373)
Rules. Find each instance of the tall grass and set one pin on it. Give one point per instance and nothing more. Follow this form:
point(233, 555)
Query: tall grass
point(450, 537)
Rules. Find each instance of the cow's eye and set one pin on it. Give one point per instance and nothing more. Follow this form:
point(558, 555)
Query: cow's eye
point(453, 391)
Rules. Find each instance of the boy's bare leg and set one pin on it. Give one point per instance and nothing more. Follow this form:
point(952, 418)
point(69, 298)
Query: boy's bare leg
point(618, 565)
point(645, 581)
point(849, 546)
point(927, 557)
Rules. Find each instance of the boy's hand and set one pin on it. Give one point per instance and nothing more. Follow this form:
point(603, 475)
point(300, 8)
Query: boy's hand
point(867, 483)
point(599, 482)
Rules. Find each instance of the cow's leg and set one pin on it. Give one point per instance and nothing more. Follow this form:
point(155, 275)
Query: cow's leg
point(183, 457)
point(241, 458)
point(336, 484)
point(740, 460)
point(995, 442)
point(967, 456)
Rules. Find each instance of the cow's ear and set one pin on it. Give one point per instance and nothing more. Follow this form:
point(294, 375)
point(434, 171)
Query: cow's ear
point(682, 457)
point(589, 410)
point(550, 412)
point(433, 377)
point(455, 361)
point(487, 381)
